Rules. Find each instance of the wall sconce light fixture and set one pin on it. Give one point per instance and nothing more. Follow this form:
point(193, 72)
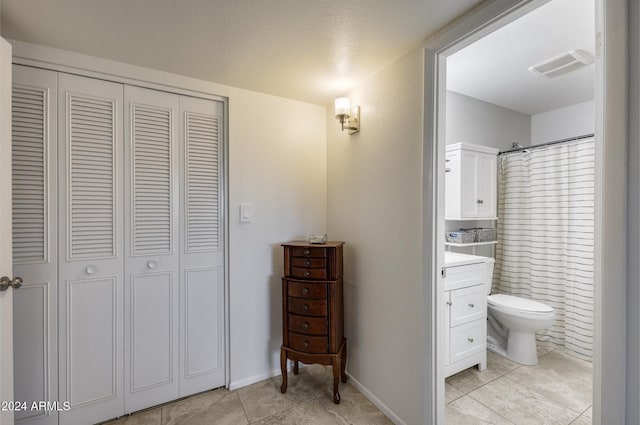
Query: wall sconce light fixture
point(349, 117)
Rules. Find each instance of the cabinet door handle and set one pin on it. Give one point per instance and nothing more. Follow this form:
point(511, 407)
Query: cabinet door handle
point(447, 170)
point(305, 291)
point(470, 339)
point(480, 201)
point(449, 303)
point(471, 305)
point(91, 270)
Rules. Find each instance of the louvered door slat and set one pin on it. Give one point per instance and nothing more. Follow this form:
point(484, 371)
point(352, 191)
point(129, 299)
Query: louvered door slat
point(151, 191)
point(91, 166)
point(202, 197)
point(29, 141)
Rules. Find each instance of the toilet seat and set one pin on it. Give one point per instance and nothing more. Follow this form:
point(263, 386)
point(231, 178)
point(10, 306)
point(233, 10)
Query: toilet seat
point(510, 303)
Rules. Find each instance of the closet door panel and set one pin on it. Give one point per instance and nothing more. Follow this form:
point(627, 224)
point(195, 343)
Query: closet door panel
point(151, 245)
point(90, 240)
point(202, 245)
point(34, 204)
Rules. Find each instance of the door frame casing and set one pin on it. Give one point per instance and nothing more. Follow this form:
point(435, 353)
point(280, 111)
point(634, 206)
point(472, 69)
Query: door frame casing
point(33, 55)
point(610, 134)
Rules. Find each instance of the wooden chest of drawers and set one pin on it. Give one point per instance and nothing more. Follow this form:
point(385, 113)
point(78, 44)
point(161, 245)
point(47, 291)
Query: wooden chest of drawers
point(312, 309)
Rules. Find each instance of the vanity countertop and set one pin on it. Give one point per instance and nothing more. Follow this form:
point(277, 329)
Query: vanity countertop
point(452, 259)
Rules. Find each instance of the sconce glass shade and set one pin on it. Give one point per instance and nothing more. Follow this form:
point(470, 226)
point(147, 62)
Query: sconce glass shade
point(342, 106)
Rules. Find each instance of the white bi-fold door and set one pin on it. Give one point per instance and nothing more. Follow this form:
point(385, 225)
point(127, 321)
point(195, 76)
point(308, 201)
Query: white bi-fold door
point(123, 303)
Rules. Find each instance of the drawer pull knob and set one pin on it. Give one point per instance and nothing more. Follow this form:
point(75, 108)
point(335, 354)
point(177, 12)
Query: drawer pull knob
point(91, 270)
point(305, 307)
point(307, 273)
point(307, 263)
point(305, 291)
point(307, 252)
point(470, 339)
point(305, 325)
point(471, 305)
point(306, 344)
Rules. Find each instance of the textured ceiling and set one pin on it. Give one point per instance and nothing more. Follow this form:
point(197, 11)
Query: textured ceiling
point(307, 50)
point(495, 68)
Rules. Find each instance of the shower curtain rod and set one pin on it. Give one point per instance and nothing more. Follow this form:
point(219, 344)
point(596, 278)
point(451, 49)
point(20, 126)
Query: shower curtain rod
point(555, 142)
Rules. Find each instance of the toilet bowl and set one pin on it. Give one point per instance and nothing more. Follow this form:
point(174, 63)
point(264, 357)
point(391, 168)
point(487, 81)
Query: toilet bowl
point(512, 326)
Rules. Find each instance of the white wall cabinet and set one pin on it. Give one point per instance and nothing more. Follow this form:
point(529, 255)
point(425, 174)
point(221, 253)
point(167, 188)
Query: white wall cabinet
point(119, 238)
point(470, 182)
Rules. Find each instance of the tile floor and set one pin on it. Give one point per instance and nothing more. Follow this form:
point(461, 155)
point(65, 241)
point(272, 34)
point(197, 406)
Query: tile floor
point(308, 401)
point(557, 391)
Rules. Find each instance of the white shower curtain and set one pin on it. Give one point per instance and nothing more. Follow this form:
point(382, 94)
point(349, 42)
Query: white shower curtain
point(545, 236)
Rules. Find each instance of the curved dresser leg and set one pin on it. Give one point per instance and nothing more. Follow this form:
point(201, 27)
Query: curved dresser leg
point(283, 368)
point(343, 362)
point(335, 363)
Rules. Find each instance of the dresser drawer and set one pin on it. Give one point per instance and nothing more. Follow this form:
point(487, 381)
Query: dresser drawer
point(318, 274)
point(310, 263)
point(308, 307)
point(468, 304)
point(308, 343)
point(308, 325)
point(309, 252)
point(468, 339)
point(307, 290)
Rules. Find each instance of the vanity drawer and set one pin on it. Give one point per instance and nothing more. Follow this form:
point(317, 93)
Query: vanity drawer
point(308, 307)
point(468, 340)
point(468, 304)
point(307, 289)
point(309, 252)
point(317, 274)
point(308, 325)
point(308, 343)
point(468, 275)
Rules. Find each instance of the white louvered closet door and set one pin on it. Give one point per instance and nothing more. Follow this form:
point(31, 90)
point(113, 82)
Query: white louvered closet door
point(202, 363)
point(35, 230)
point(151, 248)
point(91, 249)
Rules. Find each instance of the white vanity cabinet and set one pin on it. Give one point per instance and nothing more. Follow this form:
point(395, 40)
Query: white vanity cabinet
point(471, 182)
point(466, 284)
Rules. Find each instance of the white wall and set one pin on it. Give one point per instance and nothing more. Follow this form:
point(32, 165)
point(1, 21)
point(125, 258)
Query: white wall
point(375, 205)
point(277, 162)
point(572, 121)
point(474, 121)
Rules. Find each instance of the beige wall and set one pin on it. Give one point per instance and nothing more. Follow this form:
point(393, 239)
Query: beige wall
point(374, 204)
point(277, 162)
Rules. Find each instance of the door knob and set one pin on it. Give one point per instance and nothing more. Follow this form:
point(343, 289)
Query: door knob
point(5, 283)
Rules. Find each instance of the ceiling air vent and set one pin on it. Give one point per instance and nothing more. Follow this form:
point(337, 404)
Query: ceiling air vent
point(563, 63)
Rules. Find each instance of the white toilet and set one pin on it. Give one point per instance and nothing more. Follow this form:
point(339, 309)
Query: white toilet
point(512, 325)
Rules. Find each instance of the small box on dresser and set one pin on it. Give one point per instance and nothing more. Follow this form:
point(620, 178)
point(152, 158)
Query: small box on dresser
point(313, 309)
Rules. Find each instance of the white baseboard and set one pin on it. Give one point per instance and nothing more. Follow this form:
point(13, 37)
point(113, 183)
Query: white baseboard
point(234, 385)
point(373, 399)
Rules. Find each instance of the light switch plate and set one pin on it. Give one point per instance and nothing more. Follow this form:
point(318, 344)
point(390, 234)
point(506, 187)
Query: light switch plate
point(246, 213)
